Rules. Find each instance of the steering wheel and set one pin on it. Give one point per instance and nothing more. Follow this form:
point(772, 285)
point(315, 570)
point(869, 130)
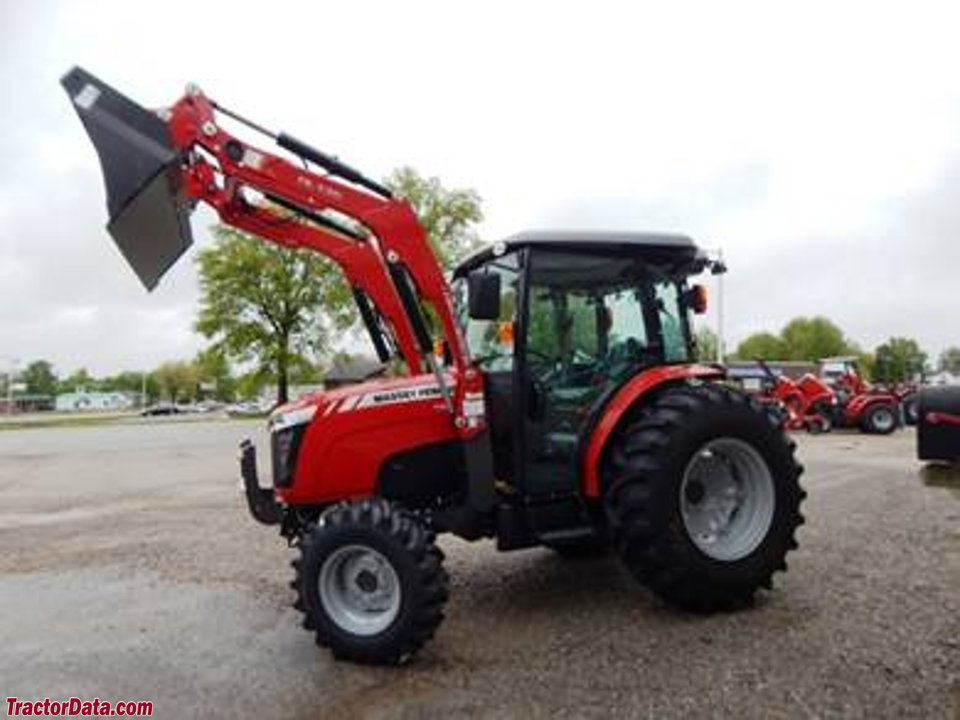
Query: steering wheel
point(542, 358)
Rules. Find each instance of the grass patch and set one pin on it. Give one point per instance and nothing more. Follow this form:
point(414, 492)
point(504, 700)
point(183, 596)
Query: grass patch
point(66, 422)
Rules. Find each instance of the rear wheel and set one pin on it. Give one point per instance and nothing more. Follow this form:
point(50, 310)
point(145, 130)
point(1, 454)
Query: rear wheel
point(703, 497)
point(371, 582)
point(879, 419)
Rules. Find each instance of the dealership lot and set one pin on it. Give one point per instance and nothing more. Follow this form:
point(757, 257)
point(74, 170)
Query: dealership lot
point(130, 570)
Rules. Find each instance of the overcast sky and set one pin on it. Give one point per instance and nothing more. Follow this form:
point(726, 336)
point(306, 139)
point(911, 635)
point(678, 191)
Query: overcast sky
point(820, 148)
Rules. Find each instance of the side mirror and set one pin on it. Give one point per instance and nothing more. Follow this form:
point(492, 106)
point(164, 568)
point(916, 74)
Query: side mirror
point(483, 295)
point(697, 299)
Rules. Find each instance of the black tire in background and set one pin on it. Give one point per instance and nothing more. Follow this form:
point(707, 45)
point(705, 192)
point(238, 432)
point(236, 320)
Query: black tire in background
point(406, 547)
point(908, 405)
point(644, 474)
point(879, 419)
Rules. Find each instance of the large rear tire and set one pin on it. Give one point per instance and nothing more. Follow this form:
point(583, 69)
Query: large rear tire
point(371, 582)
point(703, 497)
point(879, 419)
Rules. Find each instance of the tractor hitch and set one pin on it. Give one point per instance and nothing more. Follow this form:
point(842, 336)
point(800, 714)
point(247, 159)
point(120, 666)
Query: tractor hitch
point(260, 500)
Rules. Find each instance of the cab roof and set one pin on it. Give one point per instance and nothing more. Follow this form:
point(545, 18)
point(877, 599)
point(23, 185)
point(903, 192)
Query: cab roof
point(660, 248)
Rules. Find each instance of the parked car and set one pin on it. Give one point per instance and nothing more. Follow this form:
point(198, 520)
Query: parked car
point(161, 408)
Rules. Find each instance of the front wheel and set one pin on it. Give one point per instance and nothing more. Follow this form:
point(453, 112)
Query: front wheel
point(371, 582)
point(703, 497)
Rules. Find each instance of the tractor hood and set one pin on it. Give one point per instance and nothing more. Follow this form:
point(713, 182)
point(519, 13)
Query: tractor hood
point(149, 217)
point(356, 398)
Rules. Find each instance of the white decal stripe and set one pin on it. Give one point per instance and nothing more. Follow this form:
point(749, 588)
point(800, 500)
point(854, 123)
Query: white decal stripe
point(349, 403)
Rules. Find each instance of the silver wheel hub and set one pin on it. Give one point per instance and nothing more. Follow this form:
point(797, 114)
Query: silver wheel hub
point(359, 590)
point(883, 419)
point(727, 499)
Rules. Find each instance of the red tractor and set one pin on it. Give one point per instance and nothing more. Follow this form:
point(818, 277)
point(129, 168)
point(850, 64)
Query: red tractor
point(797, 404)
point(873, 410)
point(565, 409)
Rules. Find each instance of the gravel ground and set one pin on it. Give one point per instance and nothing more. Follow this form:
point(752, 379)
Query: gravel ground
point(130, 571)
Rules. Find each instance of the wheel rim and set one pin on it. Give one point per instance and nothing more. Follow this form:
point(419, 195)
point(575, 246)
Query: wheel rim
point(727, 499)
point(359, 589)
point(883, 419)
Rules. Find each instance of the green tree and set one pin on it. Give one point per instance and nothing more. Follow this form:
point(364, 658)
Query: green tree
point(706, 344)
point(762, 345)
point(269, 305)
point(449, 216)
point(134, 383)
point(897, 360)
point(814, 338)
point(950, 360)
point(79, 380)
point(40, 378)
point(177, 380)
point(213, 369)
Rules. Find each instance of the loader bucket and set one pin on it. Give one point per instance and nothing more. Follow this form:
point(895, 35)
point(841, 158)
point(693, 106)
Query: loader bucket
point(149, 220)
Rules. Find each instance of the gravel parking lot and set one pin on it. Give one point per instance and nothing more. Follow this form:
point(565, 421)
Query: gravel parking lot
point(130, 571)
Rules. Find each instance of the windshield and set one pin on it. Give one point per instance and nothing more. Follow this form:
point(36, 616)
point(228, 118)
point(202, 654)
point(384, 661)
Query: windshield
point(594, 317)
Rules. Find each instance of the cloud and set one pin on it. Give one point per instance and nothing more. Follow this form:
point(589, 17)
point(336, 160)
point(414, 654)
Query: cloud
point(815, 146)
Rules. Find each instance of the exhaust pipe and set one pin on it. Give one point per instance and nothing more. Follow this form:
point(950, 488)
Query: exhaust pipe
point(149, 214)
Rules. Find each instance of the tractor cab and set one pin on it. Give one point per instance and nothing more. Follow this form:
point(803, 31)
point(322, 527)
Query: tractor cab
point(557, 322)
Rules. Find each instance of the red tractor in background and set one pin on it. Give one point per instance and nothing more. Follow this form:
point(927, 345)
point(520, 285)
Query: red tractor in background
point(807, 403)
point(565, 409)
point(873, 410)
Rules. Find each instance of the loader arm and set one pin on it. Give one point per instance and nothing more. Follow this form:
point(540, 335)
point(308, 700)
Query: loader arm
point(381, 248)
point(395, 238)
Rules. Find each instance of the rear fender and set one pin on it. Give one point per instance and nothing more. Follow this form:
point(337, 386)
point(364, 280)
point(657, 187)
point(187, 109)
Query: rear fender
point(627, 397)
point(859, 404)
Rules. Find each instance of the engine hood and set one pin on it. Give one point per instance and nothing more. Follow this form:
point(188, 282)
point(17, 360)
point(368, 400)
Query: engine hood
point(356, 398)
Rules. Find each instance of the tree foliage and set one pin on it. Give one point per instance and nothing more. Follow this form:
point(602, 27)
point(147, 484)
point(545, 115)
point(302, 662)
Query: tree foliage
point(268, 305)
point(78, 380)
point(178, 380)
point(706, 344)
point(897, 360)
point(815, 338)
point(800, 339)
point(950, 361)
point(448, 216)
point(763, 346)
point(213, 370)
point(40, 378)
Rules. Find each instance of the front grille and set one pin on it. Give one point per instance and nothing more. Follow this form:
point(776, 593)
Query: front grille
point(285, 447)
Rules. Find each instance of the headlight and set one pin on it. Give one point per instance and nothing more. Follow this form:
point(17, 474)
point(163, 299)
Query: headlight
point(285, 447)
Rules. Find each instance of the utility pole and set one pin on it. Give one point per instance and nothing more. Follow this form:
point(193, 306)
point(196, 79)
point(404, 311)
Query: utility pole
point(143, 389)
point(719, 269)
point(11, 369)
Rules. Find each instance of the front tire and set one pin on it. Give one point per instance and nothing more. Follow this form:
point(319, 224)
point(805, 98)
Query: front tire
point(703, 496)
point(371, 582)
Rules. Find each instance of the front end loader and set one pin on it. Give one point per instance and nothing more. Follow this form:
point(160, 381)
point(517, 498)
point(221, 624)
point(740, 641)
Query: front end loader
point(564, 408)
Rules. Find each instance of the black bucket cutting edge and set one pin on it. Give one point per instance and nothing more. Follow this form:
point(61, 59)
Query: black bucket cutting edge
point(149, 218)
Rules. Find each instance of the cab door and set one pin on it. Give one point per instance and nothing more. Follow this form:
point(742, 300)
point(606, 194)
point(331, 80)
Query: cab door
point(494, 352)
point(584, 332)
